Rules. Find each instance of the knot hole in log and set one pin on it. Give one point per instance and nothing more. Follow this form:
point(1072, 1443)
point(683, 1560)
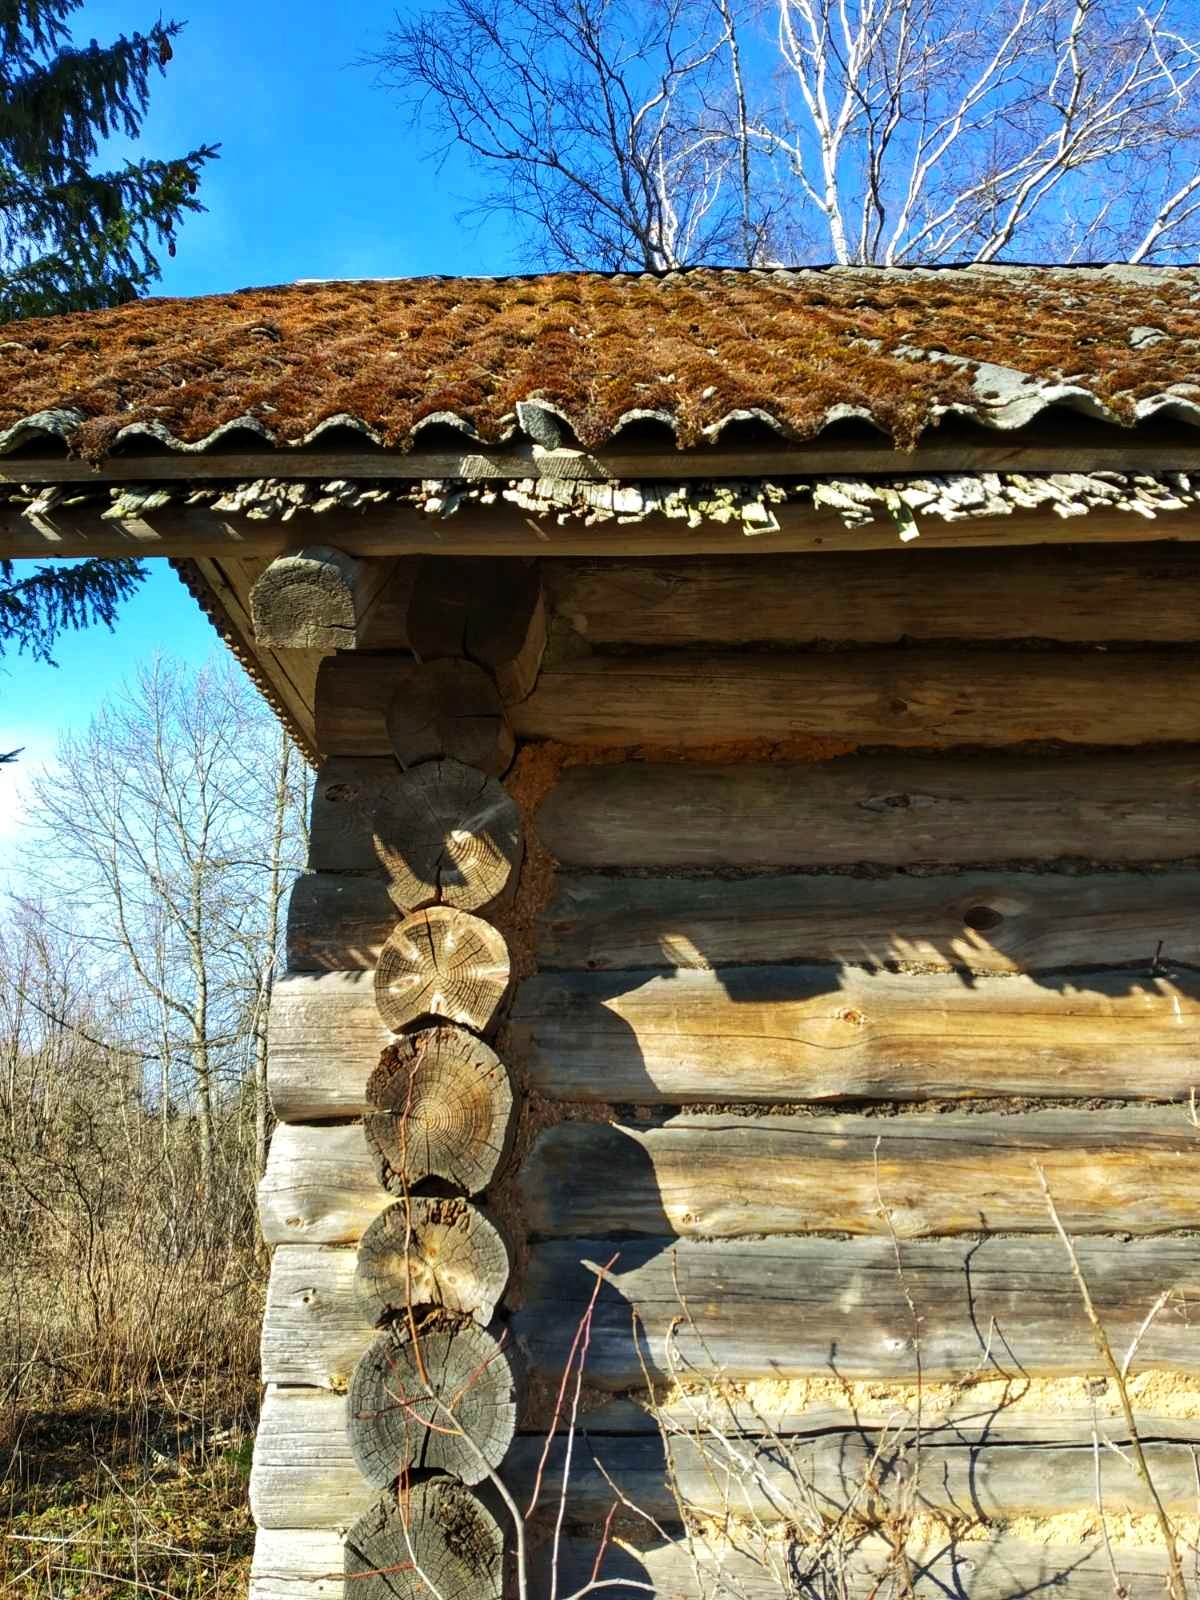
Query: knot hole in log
point(982, 918)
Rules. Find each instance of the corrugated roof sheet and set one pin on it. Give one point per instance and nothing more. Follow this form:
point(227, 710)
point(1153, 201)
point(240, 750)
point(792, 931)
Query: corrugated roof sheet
point(697, 350)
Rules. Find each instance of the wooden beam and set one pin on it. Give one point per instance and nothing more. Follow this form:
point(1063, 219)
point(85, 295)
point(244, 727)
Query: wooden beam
point(304, 1469)
point(800, 1307)
point(796, 1034)
point(973, 921)
point(782, 1308)
point(315, 1327)
point(711, 1176)
point(505, 531)
point(902, 698)
point(721, 1177)
point(314, 598)
point(321, 1186)
point(1106, 449)
point(295, 1563)
point(895, 811)
point(1143, 594)
point(332, 1019)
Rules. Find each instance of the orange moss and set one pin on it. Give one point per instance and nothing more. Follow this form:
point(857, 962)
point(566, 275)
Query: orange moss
point(695, 346)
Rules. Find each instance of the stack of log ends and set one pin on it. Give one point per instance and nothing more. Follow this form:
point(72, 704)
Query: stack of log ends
point(431, 1250)
point(447, 834)
point(489, 610)
point(450, 708)
point(310, 600)
point(442, 963)
point(434, 1539)
point(439, 1105)
point(443, 1401)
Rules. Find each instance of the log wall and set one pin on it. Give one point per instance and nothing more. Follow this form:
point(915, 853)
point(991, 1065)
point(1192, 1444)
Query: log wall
point(847, 959)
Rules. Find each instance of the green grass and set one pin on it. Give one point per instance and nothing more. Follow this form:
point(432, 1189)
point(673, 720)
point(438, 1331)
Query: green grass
point(111, 1504)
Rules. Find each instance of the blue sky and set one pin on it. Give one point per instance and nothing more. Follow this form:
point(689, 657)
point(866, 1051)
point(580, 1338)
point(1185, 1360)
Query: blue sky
point(320, 176)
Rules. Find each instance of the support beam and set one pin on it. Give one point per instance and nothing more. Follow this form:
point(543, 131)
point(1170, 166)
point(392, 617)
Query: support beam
point(314, 599)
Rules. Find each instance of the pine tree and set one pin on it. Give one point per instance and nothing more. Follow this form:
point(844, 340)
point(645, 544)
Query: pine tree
point(37, 607)
point(74, 239)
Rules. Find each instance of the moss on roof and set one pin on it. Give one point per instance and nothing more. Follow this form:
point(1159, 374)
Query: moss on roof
point(797, 348)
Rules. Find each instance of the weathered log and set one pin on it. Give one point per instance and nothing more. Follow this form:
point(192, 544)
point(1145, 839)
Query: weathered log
point(444, 708)
point(774, 1480)
point(431, 1250)
point(883, 697)
point(303, 1474)
point(720, 1177)
point(346, 795)
point(314, 599)
point(314, 1329)
point(444, 1400)
point(332, 1020)
point(384, 626)
point(1149, 594)
point(804, 1307)
point(793, 1034)
point(304, 1468)
point(807, 1307)
point(992, 1567)
point(891, 811)
point(710, 1176)
point(320, 1186)
point(297, 1563)
point(442, 963)
point(435, 1539)
point(487, 610)
point(447, 834)
point(978, 922)
point(439, 1105)
point(338, 922)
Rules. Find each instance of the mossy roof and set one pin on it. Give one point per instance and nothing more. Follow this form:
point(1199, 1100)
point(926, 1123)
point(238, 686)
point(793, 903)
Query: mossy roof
point(697, 350)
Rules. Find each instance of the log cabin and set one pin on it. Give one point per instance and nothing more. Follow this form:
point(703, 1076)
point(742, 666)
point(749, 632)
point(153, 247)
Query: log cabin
point(735, 1069)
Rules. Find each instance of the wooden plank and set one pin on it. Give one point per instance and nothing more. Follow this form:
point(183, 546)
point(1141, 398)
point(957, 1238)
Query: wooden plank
point(895, 811)
point(808, 1033)
point(1147, 594)
point(304, 1469)
point(320, 1186)
point(912, 698)
point(819, 1307)
point(314, 1329)
point(983, 922)
point(1131, 1171)
point(325, 1038)
point(297, 1564)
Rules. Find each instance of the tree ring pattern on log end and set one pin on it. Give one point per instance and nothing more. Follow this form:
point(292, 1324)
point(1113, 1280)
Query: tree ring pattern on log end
point(444, 1401)
point(450, 708)
point(439, 1105)
point(442, 963)
point(446, 833)
point(430, 1250)
point(437, 1533)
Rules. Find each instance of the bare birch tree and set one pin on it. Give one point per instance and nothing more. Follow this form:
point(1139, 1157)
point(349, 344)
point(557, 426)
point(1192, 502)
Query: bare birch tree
point(625, 133)
point(177, 817)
